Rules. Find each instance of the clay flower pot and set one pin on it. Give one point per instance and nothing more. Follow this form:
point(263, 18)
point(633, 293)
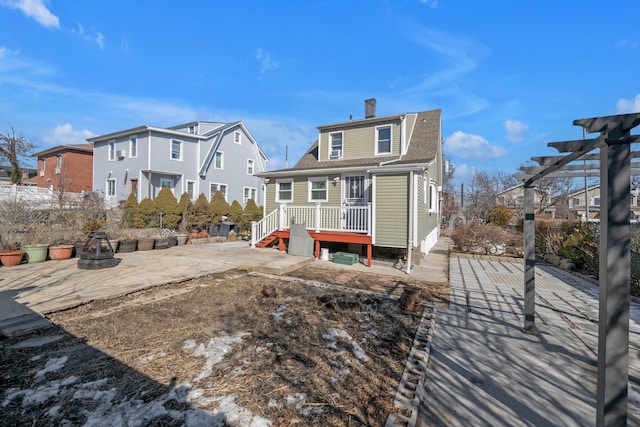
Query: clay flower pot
point(36, 253)
point(60, 252)
point(11, 258)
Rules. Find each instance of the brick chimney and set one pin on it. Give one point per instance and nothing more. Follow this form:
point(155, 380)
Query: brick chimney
point(369, 108)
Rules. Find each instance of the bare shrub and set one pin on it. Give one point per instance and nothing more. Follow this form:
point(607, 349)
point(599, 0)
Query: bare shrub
point(487, 239)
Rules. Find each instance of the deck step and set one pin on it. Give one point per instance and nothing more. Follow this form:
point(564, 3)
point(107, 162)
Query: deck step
point(267, 240)
point(24, 324)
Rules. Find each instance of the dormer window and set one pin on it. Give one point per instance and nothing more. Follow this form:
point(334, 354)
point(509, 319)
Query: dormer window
point(192, 129)
point(335, 149)
point(383, 140)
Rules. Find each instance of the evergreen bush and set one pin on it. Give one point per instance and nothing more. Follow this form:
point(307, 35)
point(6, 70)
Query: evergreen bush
point(218, 207)
point(130, 208)
point(167, 204)
point(147, 214)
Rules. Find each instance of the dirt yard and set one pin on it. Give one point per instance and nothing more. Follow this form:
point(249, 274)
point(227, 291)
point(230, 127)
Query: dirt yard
point(233, 349)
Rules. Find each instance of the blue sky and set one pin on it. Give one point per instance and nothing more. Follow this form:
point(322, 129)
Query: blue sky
point(509, 75)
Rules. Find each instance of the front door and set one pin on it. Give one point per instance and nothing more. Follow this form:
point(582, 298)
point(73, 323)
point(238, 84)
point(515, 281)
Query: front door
point(355, 193)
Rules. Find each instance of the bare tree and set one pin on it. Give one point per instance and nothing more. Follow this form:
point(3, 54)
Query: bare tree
point(15, 149)
point(448, 205)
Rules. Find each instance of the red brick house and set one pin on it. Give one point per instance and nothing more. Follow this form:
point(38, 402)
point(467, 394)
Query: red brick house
point(68, 168)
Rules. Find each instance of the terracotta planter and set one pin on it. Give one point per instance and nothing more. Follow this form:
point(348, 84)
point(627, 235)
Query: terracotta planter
point(10, 258)
point(146, 244)
point(36, 253)
point(60, 252)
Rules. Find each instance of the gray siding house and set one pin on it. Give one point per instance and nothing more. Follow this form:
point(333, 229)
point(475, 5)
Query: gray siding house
point(196, 157)
point(369, 182)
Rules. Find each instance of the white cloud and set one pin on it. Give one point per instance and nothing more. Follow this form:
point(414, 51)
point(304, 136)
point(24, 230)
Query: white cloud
point(91, 36)
point(65, 134)
point(267, 64)
point(626, 106)
point(35, 9)
point(516, 130)
point(467, 146)
point(430, 3)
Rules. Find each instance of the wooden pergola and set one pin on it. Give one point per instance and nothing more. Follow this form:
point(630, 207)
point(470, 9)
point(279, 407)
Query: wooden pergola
point(614, 166)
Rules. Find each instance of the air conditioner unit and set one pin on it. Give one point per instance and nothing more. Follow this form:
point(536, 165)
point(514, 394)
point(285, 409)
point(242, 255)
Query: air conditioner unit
point(335, 154)
point(41, 173)
point(121, 153)
point(57, 171)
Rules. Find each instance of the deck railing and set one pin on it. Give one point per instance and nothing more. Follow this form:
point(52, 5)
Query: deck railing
point(355, 219)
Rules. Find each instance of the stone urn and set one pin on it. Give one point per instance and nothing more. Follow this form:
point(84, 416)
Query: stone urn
point(182, 238)
point(60, 252)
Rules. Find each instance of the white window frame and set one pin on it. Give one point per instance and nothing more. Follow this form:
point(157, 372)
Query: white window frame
point(111, 185)
point(192, 195)
point(377, 148)
point(215, 160)
point(219, 187)
point(43, 164)
point(250, 166)
point(58, 161)
point(133, 146)
point(311, 190)
point(280, 182)
point(594, 199)
point(338, 151)
point(111, 147)
point(180, 144)
point(164, 181)
point(253, 192)
point(433, 196)
point(192, 129)
point(237, 137)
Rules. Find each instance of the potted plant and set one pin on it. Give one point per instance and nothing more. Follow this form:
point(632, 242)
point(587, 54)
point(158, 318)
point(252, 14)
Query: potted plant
point(128, 244)
point(146, 243)
point(11, 254)
point(33, 245)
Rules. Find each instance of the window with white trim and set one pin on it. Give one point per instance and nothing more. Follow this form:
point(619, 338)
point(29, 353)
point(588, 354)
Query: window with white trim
point(218, 158)
point(176, 149)
point(433, 195)
point(595, 201)
point(112, 150)
point(43, 164)
point(284, 190)
point(318, 189)
point(383, 139)
point(166, 183)
point(192, 129)
point(335, 145)
point(250, 164)
point(133, 146)
point(111, 187)
point(237, 137)
point(215, 187)
point(191, 189)
point(249, 193)
point(59, 161)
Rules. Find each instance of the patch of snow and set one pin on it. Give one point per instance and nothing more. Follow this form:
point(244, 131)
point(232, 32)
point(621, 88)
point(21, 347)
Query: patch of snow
point(215, 351)
point(259, 349)
point(54, 411)
point(52, 365)
point(296, 399)
point(273, 404)
point(188, 344)
point(277, 316)
point(333, 336)
point(36, 358)
point(41, 394)
point(235, 413)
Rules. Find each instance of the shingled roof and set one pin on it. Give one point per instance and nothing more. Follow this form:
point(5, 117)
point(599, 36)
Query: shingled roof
point(422, 148)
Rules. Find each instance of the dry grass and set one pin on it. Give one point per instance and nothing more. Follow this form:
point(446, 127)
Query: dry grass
point(296, 363)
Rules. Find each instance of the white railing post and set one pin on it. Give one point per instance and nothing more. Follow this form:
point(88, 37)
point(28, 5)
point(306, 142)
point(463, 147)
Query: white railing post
point(317, 217)
point(369, 218)
point(254, 233)
point(343, 216)
point(282, 209)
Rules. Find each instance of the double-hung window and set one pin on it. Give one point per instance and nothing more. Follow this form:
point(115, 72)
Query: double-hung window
point(335, 146)
point(43, 165)
point(133, 146)
point(249, 193)
point(112, 150)
point(249, 166)
point(176, 149)
point(433, 195)
point(318, 189)
point(191, 189)
point(59, 161)
point(215, 187)
point(237, 137)
point(383, 140)
point(111, 187)
point(218, 160)
point(284, 191)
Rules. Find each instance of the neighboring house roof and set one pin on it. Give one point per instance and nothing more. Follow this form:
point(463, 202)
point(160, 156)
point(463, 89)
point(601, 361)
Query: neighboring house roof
point(88, 148)
point(5, 173)
point(422, 146)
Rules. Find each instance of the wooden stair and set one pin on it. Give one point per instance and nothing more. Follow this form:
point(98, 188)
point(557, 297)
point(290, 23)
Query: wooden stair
point(267, 241)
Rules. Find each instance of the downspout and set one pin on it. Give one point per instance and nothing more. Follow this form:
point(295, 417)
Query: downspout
point(410, 223)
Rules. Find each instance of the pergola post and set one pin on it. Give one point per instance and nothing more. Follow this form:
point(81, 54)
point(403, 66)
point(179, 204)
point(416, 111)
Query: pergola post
point(615, 263)
point(529, 258)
